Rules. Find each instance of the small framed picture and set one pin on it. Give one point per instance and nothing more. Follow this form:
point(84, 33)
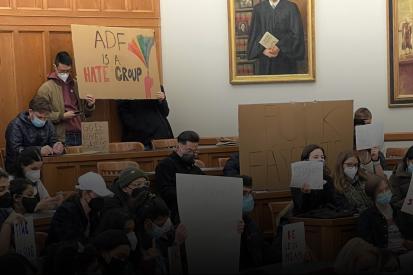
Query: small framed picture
point(262, 51)
point(245, 4)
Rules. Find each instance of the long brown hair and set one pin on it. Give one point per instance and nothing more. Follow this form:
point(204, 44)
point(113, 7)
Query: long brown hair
point(305, 155)
point(341, 181)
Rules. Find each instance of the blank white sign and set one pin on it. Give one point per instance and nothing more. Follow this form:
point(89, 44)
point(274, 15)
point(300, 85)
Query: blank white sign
point(211, 208)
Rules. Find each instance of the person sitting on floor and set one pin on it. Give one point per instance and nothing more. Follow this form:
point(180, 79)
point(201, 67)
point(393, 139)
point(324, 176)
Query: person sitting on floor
point(380, 225)
point(129, 180)
point(77, 217)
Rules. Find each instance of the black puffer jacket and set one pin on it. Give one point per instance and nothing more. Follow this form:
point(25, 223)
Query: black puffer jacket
point(21, 133)
point(144, 120)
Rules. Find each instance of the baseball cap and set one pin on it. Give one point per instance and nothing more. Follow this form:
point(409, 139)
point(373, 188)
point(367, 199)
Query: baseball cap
point(93, 182)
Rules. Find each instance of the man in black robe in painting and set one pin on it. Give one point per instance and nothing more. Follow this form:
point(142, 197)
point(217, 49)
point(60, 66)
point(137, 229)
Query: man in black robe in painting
point(282, 19)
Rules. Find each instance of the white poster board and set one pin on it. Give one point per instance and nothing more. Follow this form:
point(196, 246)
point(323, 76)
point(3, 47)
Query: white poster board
point(309, 172)
point(369, 136)
point(408, 200)
point(24, 238)
point(293, 243)
point(211, 208)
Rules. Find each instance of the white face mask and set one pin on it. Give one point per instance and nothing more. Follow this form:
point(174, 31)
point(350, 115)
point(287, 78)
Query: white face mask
point(350, 172)
point(33, 175)
point(63, 76)
point(133, 240)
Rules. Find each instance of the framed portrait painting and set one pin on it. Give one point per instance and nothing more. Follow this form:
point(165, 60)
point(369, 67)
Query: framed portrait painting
point(271, 41)
point(400, 52)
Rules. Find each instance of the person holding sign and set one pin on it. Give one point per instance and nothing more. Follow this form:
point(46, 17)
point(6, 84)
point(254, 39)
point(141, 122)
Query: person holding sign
point(32, 128)
point(400, 184)
point(182, 160)
point(253, 246)
point(157, 233)
point(372, 159)
point(281, 19)
point(6, 231)
point(68, 110)
point(78, 216)
point(306, 198)
point(145, 120)
point(349, 182)
point(380, 225)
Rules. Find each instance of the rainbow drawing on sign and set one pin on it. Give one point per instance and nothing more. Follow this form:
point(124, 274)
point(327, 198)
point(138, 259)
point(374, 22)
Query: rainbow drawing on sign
point(142, 50)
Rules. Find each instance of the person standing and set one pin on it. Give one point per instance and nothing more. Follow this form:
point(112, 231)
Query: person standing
point(68, 110)
point(145, 120)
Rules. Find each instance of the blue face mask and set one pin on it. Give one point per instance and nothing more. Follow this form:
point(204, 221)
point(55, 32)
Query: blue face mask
point(159, 231)
point(410, 168)
point(37, 122)
point(384, 198)
point(247, 204)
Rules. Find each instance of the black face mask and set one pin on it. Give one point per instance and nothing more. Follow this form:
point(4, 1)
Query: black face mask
point(137, 191)
point(96, 204)
point(6, 200)
point(188, 158)
point(29, 204)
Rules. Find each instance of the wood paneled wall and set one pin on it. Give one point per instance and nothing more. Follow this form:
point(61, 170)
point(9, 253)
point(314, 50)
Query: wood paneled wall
point(33, 31)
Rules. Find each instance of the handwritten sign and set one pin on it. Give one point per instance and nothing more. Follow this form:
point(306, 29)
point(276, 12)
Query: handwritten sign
point(116, 63)
point(293, 243)
point(408, 201)
point(369, 136)
point(307, 172)
point(95, 136)
point(24, 238)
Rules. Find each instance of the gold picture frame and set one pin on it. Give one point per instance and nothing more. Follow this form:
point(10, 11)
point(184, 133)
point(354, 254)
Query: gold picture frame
point(295, 61)
point(400, 52)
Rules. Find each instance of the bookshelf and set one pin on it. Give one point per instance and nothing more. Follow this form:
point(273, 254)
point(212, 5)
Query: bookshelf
point(243, 14)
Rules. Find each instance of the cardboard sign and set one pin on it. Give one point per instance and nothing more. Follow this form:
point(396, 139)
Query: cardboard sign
point(307, 172)
point(369, 136)
point(24, 238)
point(272, 136)
point(293, 243)
point(211, 208)
point(408, 200)
point(95, 136)
point(115, 63)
